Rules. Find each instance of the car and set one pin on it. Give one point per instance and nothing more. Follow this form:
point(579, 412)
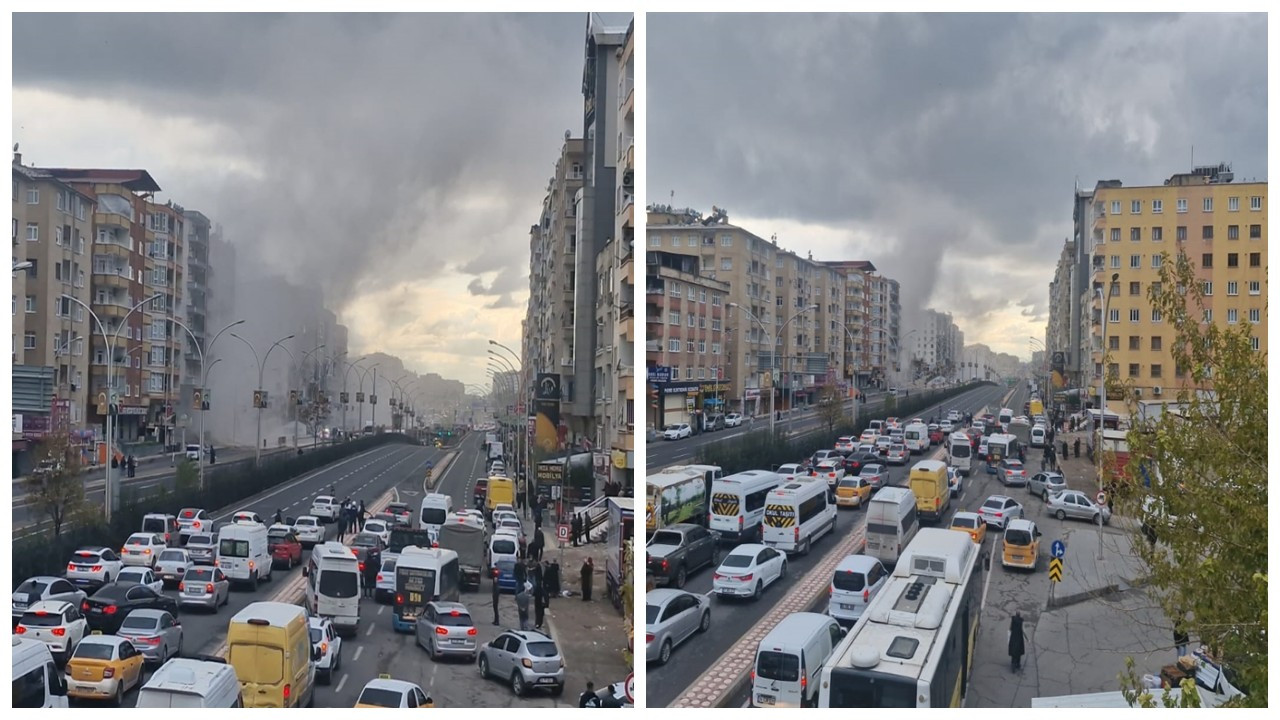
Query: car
point(935, 434)
point(831, 470)
point(504, 508)
point(747, 570)
point(883, 443)
point(713, 423)
point(892, 422)
point(107, 608)
point(970, 523)
point(678, 431)
point(202, 586)
point(876, 475)
point(821, 455)
point(379, 528)
point(164, 525)
point(247, 517)
point(309, 529)
point(671, 617)
point(284, 546)
point(193, 452)
point(401, 512)
point(527, 659)
point(733, 420)
point(867, 448)
point(143, 576)
point(1044, 484)
point(325, 640)
point(384, 692)
point(955, 481)
point(497, 468)
point(946, 426)
point(202, 548)
point(512, 524)
point(43, 588)
point(998, 510)
point(1075, 504)
point(191, 521)
point(613, 695)
point(1020, 546)
point(142, 549)
point(953, 415)
point(845, 444)
point(104, 667)
point(56, 623)
point(172, 564)
point(480, 488)
point(364, 543)
point(156, 633)
point(385, 587)
point(446, 628)
point(1012, 473)
point(324, 507)
point(868, 436)
point(854, 461)
point(789, 471)
point(897, 454)
point(853, 491)
point(854, 584)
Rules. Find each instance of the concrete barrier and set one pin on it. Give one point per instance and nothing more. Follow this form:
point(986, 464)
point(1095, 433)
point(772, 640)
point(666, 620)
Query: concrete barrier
point(437, 472)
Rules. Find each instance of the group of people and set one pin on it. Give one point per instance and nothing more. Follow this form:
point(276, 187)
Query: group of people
point(351, 517)
point(531, 586)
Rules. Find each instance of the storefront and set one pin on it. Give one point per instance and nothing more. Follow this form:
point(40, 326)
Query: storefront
point(690, 401)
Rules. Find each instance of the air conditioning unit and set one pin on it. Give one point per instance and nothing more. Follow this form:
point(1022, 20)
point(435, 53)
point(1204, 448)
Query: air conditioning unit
point(628, 179)
point(1137, 392)
point(1157, 390)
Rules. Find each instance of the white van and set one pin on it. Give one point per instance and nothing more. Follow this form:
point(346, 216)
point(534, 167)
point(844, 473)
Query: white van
point(877, 425)
point(737, 504)
point(503, 545)
point(333, 585)
point(891, 523)
point(797, 514)
point(37, 681)
point(1005, 417)
point(435, 508)
point(790, 658)
point(916, 438)
point(243, 553)
point(1039, 436)
point(960, 452)
point(189, 683)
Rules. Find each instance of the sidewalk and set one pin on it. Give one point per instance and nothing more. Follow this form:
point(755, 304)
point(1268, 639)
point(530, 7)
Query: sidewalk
point(591, 635)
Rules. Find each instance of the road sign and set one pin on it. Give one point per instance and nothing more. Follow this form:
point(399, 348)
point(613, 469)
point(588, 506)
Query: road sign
point(630, 687)
point(1059, 548)
point(1055, 569)
point(562, 531)
point(1102, 498)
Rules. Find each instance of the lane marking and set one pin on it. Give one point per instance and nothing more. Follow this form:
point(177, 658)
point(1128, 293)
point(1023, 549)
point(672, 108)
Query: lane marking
point(356, 657)
point(341, 682)
point(370, 631)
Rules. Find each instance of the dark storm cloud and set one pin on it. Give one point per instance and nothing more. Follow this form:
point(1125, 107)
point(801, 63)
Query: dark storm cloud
point(390, 147)
point(946, 137)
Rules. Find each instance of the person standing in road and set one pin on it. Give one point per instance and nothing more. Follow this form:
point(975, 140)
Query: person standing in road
point(588, 698)
point(535, 546)
point(496, 591)
point(575, 529)
point(539, 595)
point(522, 604)
point(537, 513)
point(364, 515)
point(342, 525)
point(521, 573)
point(372, 563)
point(1017, 641)
point(1077, 447)
point(213, 455)
point(588, 569)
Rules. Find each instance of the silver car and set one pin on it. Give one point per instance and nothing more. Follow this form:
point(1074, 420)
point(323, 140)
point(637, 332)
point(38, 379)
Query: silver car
point(875, 475)
point(309, 529)
point(527, 659)
point(446, 628)
point(172, 565)
point(1075, 504)
point(44, 587)
point(202, 548)
point(671, 617)
point(1044, 484)
point(204, 587)
point(897, 454)
point(156, 634)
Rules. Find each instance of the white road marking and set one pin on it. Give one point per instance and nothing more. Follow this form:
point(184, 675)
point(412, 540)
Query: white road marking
point(341, 682)
point(356, 657)
point(370, 630)
point(381, 608)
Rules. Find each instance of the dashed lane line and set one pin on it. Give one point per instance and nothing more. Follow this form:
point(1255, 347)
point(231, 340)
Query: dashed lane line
point(342, 681)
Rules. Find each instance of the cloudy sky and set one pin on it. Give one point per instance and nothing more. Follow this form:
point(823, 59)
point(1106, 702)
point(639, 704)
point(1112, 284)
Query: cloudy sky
point(398, 161)
point(945, 148)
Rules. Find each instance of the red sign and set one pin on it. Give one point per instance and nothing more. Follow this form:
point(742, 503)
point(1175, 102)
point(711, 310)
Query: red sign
point(562, 531)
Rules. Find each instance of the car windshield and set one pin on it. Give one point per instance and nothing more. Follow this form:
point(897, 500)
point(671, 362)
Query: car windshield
point(849, 483)
point(849, 581)
point(651, 614)
point(993, 504)
point(379, 697)
point(777, 666)
point(542, 649)
point(389, 565)
point(139, 540)
point(233, 548)
point(135, 622)
point(133, 574)
point(738, 561)
point(504, 547)
point(32, 587)
point(338, 584)
point(276, 536)
point(375, 526)
point(153, 525)
point(968, 523)
point(1017, 536)
point(199, 574)
point(316, 635)
point(365, 540)
point(94, 651)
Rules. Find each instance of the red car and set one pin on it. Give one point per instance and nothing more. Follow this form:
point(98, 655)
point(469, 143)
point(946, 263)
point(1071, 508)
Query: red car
point(935, 435)
point(481, 489)
point(286, 550)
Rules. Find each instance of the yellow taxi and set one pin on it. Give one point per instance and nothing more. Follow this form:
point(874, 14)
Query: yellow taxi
point(972, 524)
point(1021, 545)
point(103, 667)
point(852, 491)
point(383, 692)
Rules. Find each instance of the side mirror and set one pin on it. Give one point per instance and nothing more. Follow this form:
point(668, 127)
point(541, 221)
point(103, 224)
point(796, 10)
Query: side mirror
point(315, 654)
point(306, 572)
point(59, 688)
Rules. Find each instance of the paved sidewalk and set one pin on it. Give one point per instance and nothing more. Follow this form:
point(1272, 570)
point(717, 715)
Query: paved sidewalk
point(591, 635)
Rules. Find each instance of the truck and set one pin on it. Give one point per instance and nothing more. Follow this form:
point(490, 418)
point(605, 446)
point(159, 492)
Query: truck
point(621, 520)
point(678, 494)
point(1020, 429)
point(677, 550)
point(468, 540)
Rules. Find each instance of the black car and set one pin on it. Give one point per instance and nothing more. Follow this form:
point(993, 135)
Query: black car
point(854, 461)
point(365, 543)
point(107, 608)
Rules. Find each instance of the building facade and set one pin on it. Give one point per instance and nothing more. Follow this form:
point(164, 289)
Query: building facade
point(165, 280)
point(193, 311)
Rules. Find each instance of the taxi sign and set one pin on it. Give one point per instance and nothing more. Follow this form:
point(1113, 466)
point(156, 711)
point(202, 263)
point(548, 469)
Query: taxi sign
point(384, 676)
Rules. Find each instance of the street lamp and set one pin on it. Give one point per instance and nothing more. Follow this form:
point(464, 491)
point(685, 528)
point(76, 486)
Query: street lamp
point(296, 403)
point(204, 378)
point(345, 375)
point(1045, 366)
point(110, 341)
point(262, 366)
point(775, 339)
point(1102, 395)
point(363, 373)
point(854, 404)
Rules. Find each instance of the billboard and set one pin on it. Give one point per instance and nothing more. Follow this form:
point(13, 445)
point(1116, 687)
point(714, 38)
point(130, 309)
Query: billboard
point(547, 412)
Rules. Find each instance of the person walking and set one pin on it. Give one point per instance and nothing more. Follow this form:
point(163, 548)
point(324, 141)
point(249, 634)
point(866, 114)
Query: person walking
point(537, 513)
point(521, 572)
point(522, 604)
point(588, 698)
point(133, 466)
point(364, 515)
point(588, 569)
point(539, 542)
point(1077, 447)
point(496, 592)
point(1017, 641)
point(342, 525)
point(575, 528)
point(539, 596)
point(372, 564)
point(213, 455)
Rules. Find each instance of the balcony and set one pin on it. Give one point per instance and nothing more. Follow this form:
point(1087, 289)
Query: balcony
point(111, 277)
point(110, 219)
point(653, 346)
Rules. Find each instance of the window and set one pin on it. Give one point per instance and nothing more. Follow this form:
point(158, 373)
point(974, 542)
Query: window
point(1156, 286)
point(673, 318)
point(1206, 260)
point(1135, 288)
point(675, 371)
point(1113, 369)
point(1208, 287)
point(29, 341)
point(1233, 288)
point(715, 324)
point(1135, 261)
point(57, 235)
point(1255, 287)
point(726, 263)
point(1233, 232)
point(1208, 204)
point(675, 241)
point(688, 346)
point(715, 301)
point(1157, 343)
point(702, 322)
point(1208, 315)
point(1115, 207)
point(1255, 232)
point(1135, 207)
point(1157, 234)
point(1181, 233)
point(692, 319)
point(1233, 316)
point(1157, 371)
point(1135, 234)
point(675, 290)
point(702, 296)
point(655, 241)
point(1233, 260)
point(1206, 232)
point(715, 348)
point(1233, 204)
point(1115, 261)
point(1157, 206)
point(1115, 290)
point(1255, 259)
point(1255, 343)
point(1135, 315)
point(726, 241)
point(1113, 342)
point(1156, 316)
point(1134, 370)
point(1255, 315)
point(673, 346)
point(31, 303)
point(1182, 205)
point(702, 347)
point(1113, 315)
point(33, 232)
point(1135, 342)
point(33, 196)
point(1157, 261)
point(1115, 234)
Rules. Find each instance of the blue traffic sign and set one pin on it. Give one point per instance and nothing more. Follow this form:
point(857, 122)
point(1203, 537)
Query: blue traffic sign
point(1058, 548)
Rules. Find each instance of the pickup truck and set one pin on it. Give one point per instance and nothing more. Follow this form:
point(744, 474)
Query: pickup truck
point(676, 550)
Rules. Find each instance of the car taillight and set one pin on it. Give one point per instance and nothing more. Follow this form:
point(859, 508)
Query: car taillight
point(355, 552)
point(804, 680)
point(97, 568)
point(84, 606)
point(471, 631)
point(797, 533)
point(441, 631)
point(250, 564)
point(196, 524)
point(22, 630)
point(664, 564)
point(648, 637)
point(866, 595)
point(71, 567)
point(181, 586)
point(745, 578)
point(151, 640)
point(527, 663)
point(208, 587)
point(379, 577)
point(361, 566)
point(147, 551)
point(288, 690)
point(324, 648)
point(400, 598)
point(753, 676)
point(110, 610)
point(740, 522)
point(59, 631)
point(108, 673)
point(999, 514)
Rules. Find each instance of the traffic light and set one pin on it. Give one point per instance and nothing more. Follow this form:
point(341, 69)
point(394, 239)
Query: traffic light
point(373, 399)
point(360, 397)
point(344, 397)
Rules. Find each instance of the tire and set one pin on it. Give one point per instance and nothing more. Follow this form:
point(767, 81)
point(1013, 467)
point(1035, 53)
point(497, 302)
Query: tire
point(681, 577)
point(483, 664)
point(705, 625)
point(326, 677)
point(118, 700)
point(664, 653)
point(1061, 515)
point(808, 544)
point(755, 595)
point(782, 574)
point(518, 687)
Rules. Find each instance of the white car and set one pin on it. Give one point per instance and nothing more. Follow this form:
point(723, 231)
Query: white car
point(142, 576)
point(379, 528)
point(56, 623)
point(193, 452)
point(830, 470)
point(747, 570)
point(93, 566)
point(385, 587)
point(733, 420)
point(511, 525)
point(326, 640)
point(955, 481)
point(309, 530)
point(789, 471)
point(953, 416)
point(192, 521)
point(868, 437)
point(325, 507)
point(247, 517)
point(856, 581)
point(172, 565)
point(946, 426)
point(44, 587)
point(679, 431)
point(504, 509)
point(142, 549)
point(998, 510)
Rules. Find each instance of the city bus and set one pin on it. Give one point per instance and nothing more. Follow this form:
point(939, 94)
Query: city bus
point(914, 644)
point(999, 447)
point(424, 575)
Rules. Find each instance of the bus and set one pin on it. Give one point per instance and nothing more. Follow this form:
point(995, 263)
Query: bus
point(960, 453)
point(737, 504)
point(678, 494)
point(914, 644)
point(424, 575)
point(999, 447)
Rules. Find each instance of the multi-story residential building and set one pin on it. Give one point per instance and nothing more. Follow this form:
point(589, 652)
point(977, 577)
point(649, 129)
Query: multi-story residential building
point(165, 279)
point(1061, 331)
point(1219, 225)
point(52, 231)
point(194, 313)
point(936, 346)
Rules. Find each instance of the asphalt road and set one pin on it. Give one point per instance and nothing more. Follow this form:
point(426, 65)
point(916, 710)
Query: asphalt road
point(729, 619)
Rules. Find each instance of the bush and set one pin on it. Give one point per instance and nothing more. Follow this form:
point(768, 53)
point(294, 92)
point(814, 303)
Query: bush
point(224, 487)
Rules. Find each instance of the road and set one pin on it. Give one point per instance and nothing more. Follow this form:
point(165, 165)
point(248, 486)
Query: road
point(729, 619)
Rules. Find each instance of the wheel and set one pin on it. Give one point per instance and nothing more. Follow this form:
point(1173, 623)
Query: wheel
point(484, 666)
point(325, 676)
point(433, 651)
point(805, 550)
point(517, 684)
point(705, 625)
point(256, 579)
point(664, 654)
point(118, 700)
point(681, 576)
point(782, 574)
point(1061, 515)
point(755, 595)
point(337, 660)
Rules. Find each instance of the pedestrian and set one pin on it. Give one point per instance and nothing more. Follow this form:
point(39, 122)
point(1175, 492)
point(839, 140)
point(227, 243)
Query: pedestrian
point(537, 516)
point(588, 698)
point(1017, 641)
point(539, 595)
point(1077, 447)
point(1022, 454)
point(588, 568)
point(539, 542)
point(1066, 451)
point(1180, 638)
point(575, 528)
point(521, 573)
point(133, 466)
point(372, 563)
point(364, 515)
point(1044, 460)
point(494, 574)
point(213, 455)
point(342, 526)
point(522, 604)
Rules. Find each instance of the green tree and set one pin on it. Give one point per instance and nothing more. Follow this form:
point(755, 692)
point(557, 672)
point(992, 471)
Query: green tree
point(57, 488)
point(1197, 479)
point(188, 477)
point(831, 407)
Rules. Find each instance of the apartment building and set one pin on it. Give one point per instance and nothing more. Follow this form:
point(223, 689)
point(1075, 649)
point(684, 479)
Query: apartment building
point(936, 345)
point(1062, 315)
point(52, 227)
point(1219, 224)
point(165, 279)
point(193, 311)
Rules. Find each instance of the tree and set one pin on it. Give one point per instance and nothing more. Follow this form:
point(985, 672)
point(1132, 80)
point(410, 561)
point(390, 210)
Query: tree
point(58, 488)
point(1197, 479)
point(188, 477)
point(831, 408)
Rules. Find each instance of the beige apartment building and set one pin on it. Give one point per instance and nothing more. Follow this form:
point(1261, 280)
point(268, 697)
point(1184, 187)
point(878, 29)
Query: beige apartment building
point(1220, 225)
point(873, 316)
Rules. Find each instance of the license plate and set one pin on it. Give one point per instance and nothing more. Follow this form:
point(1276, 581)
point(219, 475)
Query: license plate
point(86, 688)
point(95, 610)
point(846, 606)
point(547, 681)
point(457, 642)
point(765, 700)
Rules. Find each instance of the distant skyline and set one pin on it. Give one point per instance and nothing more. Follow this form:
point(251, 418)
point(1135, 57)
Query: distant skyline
point(944, 148)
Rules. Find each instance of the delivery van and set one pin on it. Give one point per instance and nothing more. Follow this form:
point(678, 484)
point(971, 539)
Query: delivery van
point(244, 554)
point(191, 683)
point(789, 660)
point(37, 681)
point(928, 482)
point(269, 647)
point(891, 523)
